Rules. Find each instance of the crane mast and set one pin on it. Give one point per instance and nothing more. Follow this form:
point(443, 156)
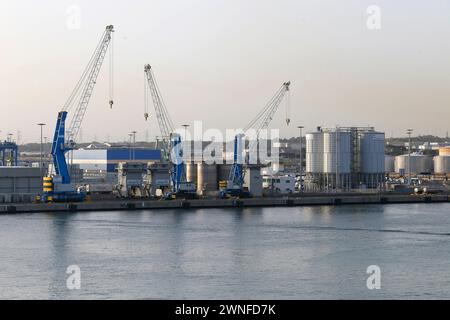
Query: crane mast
point(81, 94)
point(259, 123)
point(172, 144)
point(265, 116)
point(87, 83)
point(164, 121)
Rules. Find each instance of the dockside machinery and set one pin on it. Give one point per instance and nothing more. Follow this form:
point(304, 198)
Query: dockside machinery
point(58, 188)
point(234, 185)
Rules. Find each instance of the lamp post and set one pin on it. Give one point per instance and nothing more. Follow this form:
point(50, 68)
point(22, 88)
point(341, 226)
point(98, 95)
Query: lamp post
point(129, 144)
point(40, 153)
point(301, 160)
point(185, 131)
point(409, 132)
point(186, 126)
point(134, 143)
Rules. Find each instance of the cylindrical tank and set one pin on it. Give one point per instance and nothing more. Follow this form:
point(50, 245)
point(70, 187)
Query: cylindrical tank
point(191, 172)
point(442, 164)
point(336, 151)
point(444, 151)
point(419, 163)
point(389, 163)
point(207, 177)
point(314, 152)
point(372, 152)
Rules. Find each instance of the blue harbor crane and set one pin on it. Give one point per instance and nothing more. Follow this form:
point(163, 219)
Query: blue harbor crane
point(235, 183)
point(59, 187)
point(172, 150)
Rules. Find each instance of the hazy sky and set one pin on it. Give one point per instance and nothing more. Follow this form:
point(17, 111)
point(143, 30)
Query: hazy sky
point(220, 61)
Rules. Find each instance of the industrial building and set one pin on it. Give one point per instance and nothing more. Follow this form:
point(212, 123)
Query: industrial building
point(19, 184)
point(8, 153)
point(131, 179)
point(108, 159)
point(279, 184)
point(344, 158)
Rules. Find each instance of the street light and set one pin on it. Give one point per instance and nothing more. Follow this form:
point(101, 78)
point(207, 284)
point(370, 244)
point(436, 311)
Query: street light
point(409, 132)
point(134, 143)
point(40, 156)
point(185, 131)
point(185, 137)
point(301, 160)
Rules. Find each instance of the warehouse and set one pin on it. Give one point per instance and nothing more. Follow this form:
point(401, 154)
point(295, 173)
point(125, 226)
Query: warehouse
point(108, 159)
point(19, 184)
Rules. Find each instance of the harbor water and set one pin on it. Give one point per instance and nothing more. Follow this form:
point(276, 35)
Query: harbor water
point(312, 252)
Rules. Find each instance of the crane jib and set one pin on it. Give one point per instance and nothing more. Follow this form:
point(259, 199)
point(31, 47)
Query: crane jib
point(83, 89)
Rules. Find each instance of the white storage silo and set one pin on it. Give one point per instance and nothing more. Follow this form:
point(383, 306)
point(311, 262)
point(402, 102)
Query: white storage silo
point(372, 152)
point(207, 177)
point(389, 163)
point(371, 156)
point(442, 164)
point(420, 164)
point(191, 172)
point(336, 152)
point(314, 152)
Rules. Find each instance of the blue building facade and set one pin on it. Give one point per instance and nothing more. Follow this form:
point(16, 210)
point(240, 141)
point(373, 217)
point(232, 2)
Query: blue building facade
point(107, 159)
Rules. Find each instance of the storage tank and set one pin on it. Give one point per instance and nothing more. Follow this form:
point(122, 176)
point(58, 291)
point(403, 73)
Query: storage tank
point(444, 151)
point(207, 177)
point(442, 164)
point(389, 163)
point(336, 152)
point(314, 152)
point(191, 172)
point(372, 152)
point(419, 164)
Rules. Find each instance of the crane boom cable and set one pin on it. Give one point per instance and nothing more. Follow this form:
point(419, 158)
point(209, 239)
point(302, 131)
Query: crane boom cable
point(263, 118)
point(111, 71)
point(76, 91)
point(167, 117)
point(145, 96)
point(164, 121)
point(263, 112)
point(88, 87)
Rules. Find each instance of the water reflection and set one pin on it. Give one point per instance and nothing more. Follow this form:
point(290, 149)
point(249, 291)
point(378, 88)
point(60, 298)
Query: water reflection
point(261, 253)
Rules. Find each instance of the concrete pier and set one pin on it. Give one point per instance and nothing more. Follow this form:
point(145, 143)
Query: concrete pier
point(147, 204)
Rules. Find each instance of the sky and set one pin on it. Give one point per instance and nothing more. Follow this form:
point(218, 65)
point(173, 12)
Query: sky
point(220, 61)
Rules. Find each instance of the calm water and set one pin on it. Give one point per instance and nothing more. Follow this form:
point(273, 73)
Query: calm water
point(269, 253)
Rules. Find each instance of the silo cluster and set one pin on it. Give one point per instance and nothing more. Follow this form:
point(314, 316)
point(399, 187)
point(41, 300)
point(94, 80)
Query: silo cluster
point(344, 158)
point(424, 164)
